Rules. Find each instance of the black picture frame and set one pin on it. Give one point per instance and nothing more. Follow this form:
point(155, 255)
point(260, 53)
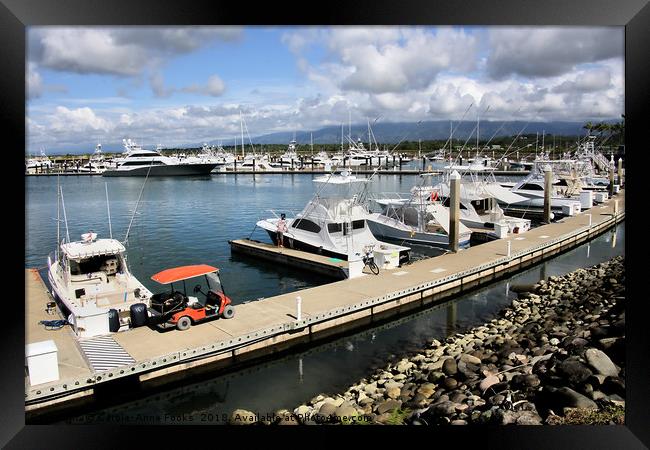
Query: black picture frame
point(16, 15)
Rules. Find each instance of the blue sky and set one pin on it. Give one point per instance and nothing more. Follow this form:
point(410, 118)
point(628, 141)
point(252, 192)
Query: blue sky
point(177, 85)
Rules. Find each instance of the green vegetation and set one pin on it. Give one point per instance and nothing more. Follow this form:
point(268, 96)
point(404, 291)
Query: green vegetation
point(610, 415)
point(398, 416)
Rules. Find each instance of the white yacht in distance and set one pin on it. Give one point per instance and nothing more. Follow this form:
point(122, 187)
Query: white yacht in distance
point(140, 162)
point(333, 223)
point(290, 157)
point(98, 163)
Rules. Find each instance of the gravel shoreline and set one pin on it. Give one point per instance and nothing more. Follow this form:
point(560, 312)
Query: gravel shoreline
point(555, 356)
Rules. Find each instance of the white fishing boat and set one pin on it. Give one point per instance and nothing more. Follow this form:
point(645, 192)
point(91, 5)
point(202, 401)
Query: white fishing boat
point(38, 163)
point(479, 207)
point(92, 280)
point(334, 223)
point(140, 162)
point(290, 157)
point(419, 218)
point(98, 163)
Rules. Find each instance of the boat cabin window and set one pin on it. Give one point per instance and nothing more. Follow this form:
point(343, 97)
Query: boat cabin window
point(142, 163)
point(357, 224)
point(144, 155)
point(307, 225)
point(532, 187)
point(110, 264)
point(334, 227)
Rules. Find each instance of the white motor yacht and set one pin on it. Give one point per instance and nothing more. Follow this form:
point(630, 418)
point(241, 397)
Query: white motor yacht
point(290, 158)
point(91, 277)
point(98, 163)
point(334, 223)
point(479, 207)
point(419, 218)
point(140, 162)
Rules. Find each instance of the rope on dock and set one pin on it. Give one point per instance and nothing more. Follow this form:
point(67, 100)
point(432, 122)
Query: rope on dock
point(53, 325)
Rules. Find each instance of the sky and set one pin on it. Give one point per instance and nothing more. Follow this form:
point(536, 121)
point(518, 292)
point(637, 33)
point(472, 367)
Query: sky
point(178, 85)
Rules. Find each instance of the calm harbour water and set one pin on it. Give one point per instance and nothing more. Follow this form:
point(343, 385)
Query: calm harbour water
point(187, 221)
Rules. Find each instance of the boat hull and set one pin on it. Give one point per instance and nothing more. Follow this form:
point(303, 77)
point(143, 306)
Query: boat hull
point(297, 244)
point(383, 231)
point(163, 171)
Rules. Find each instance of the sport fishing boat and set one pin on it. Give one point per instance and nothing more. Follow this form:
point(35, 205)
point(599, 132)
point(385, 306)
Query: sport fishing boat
point(138, 162)
point(97, 162)
point(334, 223)
point(91, 277)
point(419, 218)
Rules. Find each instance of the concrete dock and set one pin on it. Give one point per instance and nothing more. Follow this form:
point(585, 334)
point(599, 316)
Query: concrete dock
point(263, 327)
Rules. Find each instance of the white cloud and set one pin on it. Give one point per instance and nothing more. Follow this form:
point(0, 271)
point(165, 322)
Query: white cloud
point(121, 51)
point(549, 51)
point(77, 120)
point(214, 87)
point(34, 82)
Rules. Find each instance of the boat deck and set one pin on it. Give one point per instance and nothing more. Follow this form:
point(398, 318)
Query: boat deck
point(268, 325)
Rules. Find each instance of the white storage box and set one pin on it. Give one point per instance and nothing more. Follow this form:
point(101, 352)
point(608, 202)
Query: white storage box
point(586, 199)
point(501, 230)
point(42, 362)
point(355, 267)
point(600, 197)
point(386, 259)
point(567, 210)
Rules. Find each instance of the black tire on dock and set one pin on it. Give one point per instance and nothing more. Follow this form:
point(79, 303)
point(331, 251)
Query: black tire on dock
point(228, 312)
point(138, 315)
point(184, 323)
point(113, 321)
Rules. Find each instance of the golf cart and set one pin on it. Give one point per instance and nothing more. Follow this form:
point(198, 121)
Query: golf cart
point(176, 309)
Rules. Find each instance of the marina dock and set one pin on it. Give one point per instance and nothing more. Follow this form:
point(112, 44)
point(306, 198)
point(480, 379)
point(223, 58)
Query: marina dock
point(353, 170)
point(263, 327)
point(324, 265)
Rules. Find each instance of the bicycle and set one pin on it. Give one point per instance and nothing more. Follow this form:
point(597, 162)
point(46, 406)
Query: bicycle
point(369, 260)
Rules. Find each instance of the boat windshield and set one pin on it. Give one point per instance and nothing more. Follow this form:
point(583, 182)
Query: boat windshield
point(102, 263)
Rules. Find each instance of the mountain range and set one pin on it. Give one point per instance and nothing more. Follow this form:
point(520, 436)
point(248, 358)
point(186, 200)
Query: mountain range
point(387, 132)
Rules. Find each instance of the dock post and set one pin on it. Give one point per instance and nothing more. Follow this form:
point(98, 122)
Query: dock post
point(454, 211)
point(235, 165)
point(423, 162)
point(509, 247)
point(298, 308)
point(393, 162)
point(548, 181)
point(400, 162)
point(611, 180)
point(620, 172)
point(589, 215)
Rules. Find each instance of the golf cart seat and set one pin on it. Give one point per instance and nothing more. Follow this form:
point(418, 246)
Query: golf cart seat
point(213, 298)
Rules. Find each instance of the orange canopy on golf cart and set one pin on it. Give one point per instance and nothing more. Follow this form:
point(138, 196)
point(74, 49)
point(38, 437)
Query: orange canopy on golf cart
point(182, 273)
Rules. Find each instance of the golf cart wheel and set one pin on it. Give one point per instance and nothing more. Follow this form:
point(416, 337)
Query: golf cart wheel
point(228, 312)
point(184, 323)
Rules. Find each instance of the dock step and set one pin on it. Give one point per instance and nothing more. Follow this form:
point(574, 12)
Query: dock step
point(103, 353)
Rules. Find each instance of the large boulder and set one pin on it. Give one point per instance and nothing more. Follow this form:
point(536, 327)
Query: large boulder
point(600, 362)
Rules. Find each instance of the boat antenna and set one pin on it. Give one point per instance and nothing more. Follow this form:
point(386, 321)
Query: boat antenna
point(108, 207)
point(241, 124)
point(126, 237)
point(65, 217)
